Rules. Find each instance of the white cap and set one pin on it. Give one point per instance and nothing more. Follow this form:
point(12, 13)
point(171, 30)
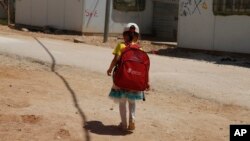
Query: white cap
point(129, 25)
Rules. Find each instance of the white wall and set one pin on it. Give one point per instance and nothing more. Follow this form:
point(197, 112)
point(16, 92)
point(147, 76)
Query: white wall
point(62, 14)
point(203, 30)
point(232, 33)
point(56, 17)
point(95, 23)
point(94, 16)
point(23, 11)
point(38, 13)
point(195, 25)
point(73, 15)
point(80, 15)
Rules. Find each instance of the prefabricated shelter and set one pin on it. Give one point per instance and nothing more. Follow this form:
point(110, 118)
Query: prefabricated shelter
point(87, 16)
point(219, 25)
point(3, 13)
point(165, 19)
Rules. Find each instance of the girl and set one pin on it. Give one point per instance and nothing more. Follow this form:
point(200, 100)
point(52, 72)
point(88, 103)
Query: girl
point(130, 35)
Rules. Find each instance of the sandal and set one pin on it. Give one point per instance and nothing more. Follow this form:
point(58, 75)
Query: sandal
point(122, 127)
point(131, 126)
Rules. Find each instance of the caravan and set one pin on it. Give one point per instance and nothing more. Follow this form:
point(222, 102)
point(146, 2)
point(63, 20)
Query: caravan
point(3, 9)
point(87, 16)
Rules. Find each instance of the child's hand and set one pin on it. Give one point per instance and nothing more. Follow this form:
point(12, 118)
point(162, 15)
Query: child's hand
point(148, 88)
point(109, 71)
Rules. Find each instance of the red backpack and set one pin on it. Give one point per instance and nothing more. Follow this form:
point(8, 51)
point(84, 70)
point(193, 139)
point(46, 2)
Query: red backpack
point(132, 69)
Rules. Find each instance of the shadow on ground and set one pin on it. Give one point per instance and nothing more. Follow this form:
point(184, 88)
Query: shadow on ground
point(98, 127)
point(45, 29)
point(223, 58)
point(67, 85)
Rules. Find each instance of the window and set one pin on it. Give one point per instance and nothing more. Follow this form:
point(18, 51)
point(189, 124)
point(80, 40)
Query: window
point(231, 7)
point(129, 5)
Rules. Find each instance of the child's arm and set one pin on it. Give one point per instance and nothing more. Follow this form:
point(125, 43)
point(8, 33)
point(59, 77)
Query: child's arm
point(112, 65)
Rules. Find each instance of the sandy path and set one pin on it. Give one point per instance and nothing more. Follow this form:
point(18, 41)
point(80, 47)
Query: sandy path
point(38, 104)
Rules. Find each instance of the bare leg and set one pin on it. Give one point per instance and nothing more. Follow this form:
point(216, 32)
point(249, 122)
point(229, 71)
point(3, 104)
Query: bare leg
point(131, 114)
point(123, 111)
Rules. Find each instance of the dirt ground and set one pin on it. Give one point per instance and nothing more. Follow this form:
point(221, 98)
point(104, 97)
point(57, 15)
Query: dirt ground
point(88, 39)
point(72, 104)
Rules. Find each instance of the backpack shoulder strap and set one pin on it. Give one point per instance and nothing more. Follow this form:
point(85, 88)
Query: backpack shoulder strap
point(131, 46)
point(136, 46)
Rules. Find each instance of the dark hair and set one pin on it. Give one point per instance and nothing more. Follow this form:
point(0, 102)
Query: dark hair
point(132, 28)
point(131, 35)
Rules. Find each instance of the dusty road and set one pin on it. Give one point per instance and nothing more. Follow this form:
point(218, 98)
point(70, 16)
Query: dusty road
point(190, 100)
point(71, 104)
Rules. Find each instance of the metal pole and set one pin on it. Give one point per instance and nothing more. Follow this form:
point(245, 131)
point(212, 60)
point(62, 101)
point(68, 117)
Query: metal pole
point(106, 26)
point(9, 2)
point(83, 20)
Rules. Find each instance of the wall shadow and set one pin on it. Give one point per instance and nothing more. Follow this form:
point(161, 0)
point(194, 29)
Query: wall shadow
point(71, 91)
point(222, 58)
point(99, 128)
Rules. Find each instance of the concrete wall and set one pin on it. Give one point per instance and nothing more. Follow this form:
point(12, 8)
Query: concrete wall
point(199, 28)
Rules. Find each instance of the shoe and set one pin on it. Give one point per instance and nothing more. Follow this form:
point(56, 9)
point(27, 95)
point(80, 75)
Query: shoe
point(131, 126)
point(122, 127)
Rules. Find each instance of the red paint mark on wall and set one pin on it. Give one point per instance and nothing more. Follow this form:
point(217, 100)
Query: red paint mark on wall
point(89, 13)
